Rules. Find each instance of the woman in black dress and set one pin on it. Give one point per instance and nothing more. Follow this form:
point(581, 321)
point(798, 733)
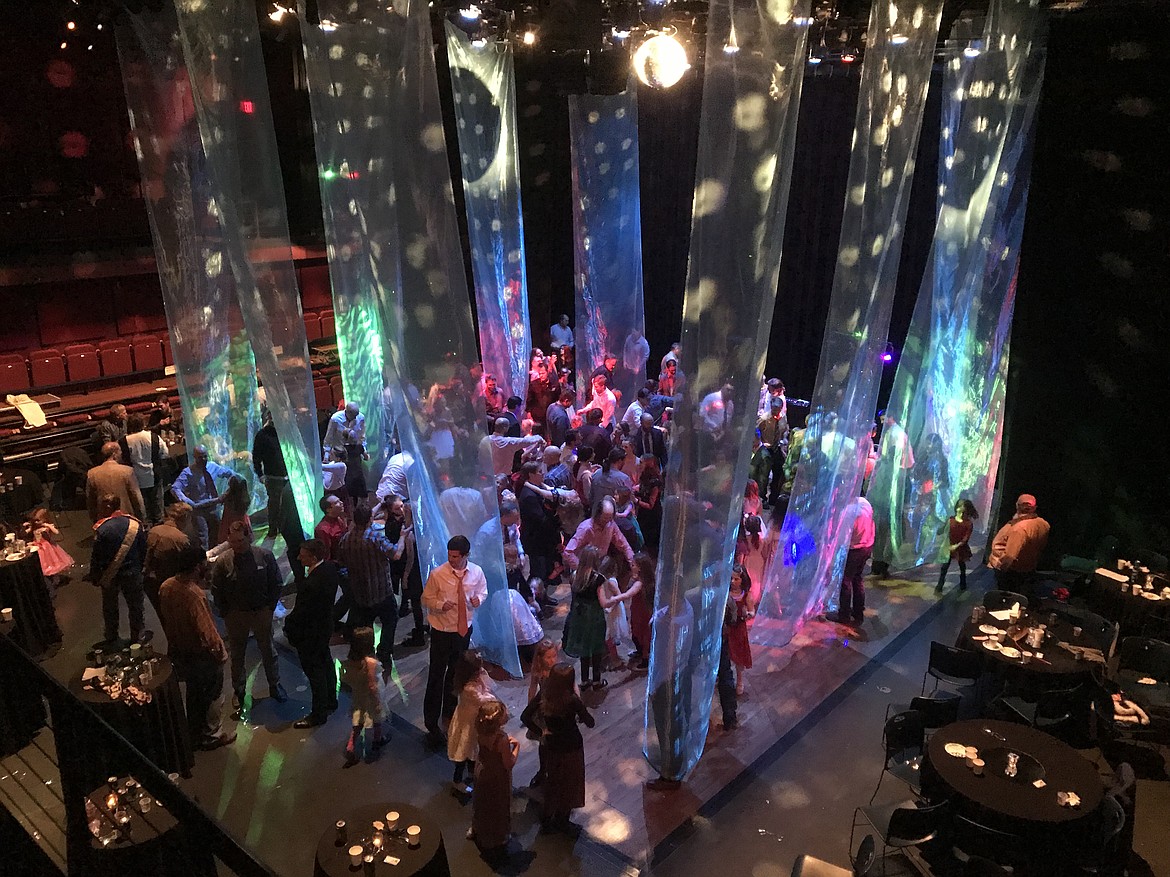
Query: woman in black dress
point(561, 710)
point(648, 502)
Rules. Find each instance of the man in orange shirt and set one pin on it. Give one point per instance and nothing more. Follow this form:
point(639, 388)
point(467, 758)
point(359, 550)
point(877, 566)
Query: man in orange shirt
point(1017, 547)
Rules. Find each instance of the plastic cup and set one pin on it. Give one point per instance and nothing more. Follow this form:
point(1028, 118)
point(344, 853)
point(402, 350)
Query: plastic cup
point(413, 836)
point(6, 613)
point(977, 766)
point(392, 820)
point(1077, 631)
point(356, 853)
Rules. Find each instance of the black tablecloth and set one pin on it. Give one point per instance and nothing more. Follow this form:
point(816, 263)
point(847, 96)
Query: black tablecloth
point(1058, 669)
point(23, 589)
point(1137, 615)
point(157, 729)
point(22, 710)
point(1064, 770)
point(153, 843)
point(428, 860)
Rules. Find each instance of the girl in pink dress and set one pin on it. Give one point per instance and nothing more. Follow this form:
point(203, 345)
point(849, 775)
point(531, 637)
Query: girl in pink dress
point(41, 530)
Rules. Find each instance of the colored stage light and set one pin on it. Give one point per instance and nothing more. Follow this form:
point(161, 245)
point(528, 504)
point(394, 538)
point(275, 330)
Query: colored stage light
point(661, 61)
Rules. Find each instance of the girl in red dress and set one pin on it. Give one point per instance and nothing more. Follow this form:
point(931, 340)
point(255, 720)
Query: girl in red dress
point(737, 632)
point(959, 526)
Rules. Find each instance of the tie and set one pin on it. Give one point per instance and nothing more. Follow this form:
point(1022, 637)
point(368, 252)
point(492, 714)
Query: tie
point(461, 604)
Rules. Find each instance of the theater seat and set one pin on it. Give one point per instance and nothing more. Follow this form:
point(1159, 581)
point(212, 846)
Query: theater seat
point(312, 326)
point(82, 362)
point(323, 396)
point(138, 407)
point(168, 359)
point(338, 391)
point(116, 358)
point(328, 328)
point(47, 366)
point(13, 373)
point(148, 353)
point(72, 419)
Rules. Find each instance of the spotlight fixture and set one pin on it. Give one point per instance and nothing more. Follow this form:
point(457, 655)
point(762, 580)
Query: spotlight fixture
point(661, 61)
point(899, 39)
point(971, 52)
point(529, 38)
point(277, 14)
point(848, 58)
point(732, 42)
point(470, 13)
point(479, 42)
point(71, 25)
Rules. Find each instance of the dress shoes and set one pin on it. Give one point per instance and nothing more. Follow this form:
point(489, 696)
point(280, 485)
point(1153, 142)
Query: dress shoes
point(217, 742)
point(312, 720)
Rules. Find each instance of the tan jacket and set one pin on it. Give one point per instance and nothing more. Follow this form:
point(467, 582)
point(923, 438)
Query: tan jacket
point(1019, 543)
point(112, 477)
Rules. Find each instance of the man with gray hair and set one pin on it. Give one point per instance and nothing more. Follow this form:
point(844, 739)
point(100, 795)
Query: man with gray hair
point(347, 430)
point(196, 486)
point(113, 477)
point(496, 451)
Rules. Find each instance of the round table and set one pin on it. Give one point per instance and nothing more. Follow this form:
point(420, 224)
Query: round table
point(23, 590)
point(428, 859)
point(157, 729)
point(1041, 757)
point(150, 843)
point(1138, 615)
point(1059, 666)
point(22, 709)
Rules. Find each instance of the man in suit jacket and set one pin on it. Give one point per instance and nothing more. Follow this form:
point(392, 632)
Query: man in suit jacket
point(309, 627)
point(649, 439)
point(112, 477)
point(115, 564)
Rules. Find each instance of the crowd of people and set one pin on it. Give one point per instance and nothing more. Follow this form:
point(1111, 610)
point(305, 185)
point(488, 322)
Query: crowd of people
point(578, 481)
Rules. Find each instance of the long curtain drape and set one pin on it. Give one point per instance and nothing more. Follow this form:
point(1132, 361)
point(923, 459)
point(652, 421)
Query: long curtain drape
point(836, 443)
point(214, 366)
point(607, 237)
point(222, 53)
point(746, 138)
point(948, 394)
point(349, 131)
point(483, 85)
point(405, 235)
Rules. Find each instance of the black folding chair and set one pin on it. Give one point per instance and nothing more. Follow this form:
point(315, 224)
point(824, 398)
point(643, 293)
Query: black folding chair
point(903, 738)
point(1059, 712)
point(1101, 631)
point(951, 666)
point(994, 601)
point(811, 866)
point(971, 839)
point(904, 826)
point(1150, 657)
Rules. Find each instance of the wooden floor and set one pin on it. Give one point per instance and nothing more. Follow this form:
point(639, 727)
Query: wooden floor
point(784, 686)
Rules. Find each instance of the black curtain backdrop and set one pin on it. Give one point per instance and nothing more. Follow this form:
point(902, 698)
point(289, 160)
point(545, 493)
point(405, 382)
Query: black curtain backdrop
point(1089, 379)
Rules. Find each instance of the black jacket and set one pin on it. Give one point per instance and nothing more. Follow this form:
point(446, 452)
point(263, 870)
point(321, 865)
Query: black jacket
point(311, 620)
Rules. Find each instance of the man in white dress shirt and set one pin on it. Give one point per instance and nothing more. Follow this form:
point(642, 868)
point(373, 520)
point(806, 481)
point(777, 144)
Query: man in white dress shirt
point(498, 450)
point(603, 400)
point(393, 481)
point(452, 593)
point(347, 429)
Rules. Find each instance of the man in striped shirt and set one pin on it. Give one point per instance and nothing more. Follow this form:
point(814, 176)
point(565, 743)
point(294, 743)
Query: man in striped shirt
point(366, 553)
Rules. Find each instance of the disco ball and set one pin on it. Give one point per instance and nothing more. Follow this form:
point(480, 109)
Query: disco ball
point(660, 62)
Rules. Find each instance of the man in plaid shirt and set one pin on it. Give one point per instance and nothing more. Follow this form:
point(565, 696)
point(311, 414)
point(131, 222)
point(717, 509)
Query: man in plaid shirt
point(366, 553)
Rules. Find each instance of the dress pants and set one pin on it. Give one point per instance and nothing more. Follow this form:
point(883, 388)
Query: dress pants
point(317, 664)
point(258, 623)
point(282, 519)
point(129, 585)
point(385, 612)
point(441, 697)
point(206, 523)
point(852, 603)
point(204, 677)
point(152, 498)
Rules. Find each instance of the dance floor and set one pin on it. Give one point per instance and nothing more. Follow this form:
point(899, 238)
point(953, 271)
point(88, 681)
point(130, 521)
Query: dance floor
point(277, 788)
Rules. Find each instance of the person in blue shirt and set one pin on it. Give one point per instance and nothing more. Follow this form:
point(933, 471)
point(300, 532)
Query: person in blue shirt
point(196, 486)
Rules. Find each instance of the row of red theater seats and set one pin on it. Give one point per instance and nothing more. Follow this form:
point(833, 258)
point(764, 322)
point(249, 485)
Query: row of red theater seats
point(84, 362)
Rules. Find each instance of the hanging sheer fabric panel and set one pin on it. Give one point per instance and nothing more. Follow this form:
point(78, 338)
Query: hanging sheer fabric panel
point(948, 393)
point(222, 52)
point(345, 74)
point(414, 268)
point(837, 441)
point(755, 63)
point(607, 238)
point(214, 367)
point(483, 85)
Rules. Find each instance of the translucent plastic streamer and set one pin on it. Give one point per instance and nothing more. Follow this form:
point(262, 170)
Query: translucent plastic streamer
point(221, 49)
point(949, 389)
point(751, 91)
point(349, 132)
point(607, 236)
point(483, 85)
point(409, 253)
point(214, 367)
point(815, 536)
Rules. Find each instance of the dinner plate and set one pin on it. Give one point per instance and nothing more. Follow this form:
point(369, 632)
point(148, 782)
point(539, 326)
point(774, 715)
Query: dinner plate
point(988, 629)
point(13, 556)
point(958, 750)
point(1150, 595)
point(1147, 680)
point(1010, 652)
point(992, 646)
